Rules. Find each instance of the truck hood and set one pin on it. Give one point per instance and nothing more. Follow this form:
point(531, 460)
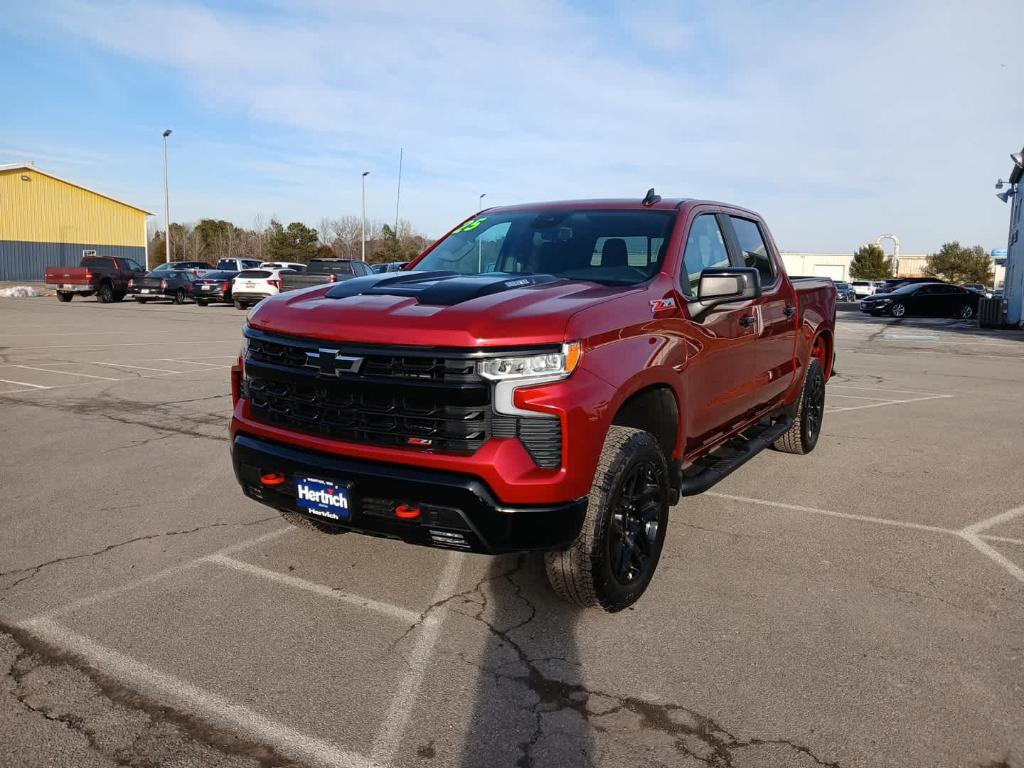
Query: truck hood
point(437, 309)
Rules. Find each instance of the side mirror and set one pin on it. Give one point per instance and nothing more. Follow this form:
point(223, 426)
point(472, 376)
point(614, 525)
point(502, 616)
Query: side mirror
point(719, 285)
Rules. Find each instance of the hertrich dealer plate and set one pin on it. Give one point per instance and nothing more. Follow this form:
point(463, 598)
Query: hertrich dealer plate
point(324, 498)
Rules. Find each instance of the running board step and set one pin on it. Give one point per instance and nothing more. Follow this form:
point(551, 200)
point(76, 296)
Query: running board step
point(723, 461)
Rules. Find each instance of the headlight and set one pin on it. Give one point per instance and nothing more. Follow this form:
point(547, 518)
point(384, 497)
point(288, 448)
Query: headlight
point(549, 365)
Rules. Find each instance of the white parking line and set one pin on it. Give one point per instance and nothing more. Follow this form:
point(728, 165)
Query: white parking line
point(107, 594)
point(139, 367)
point(389, 737)
point(891, 402)
point(61, 373)
point(861, 397)
point(85, 346)
point(394, 611)
point(171, 691)
point(24, 384)
point(971, 533)
point(830, 513)
point(883, 389)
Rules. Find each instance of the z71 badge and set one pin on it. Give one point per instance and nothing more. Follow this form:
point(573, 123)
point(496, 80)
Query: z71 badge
point(659, 305)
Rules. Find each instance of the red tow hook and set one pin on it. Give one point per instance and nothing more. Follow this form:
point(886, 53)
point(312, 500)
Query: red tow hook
point(405, 512)
point(273, 478)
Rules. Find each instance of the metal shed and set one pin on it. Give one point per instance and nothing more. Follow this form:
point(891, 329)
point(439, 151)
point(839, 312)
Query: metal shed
point(46, 220)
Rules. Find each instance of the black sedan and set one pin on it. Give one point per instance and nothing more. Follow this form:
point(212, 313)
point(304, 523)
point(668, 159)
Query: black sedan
point(213, 287)
point(923, 300)
point(170, 284)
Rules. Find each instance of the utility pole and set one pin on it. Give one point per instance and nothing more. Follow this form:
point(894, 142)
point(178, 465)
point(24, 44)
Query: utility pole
point(480, 205)
point(363, 220)
point(167, 206)
point(398, 195)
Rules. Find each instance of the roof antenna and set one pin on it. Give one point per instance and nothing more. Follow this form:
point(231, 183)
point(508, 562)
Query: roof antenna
point(651, 198)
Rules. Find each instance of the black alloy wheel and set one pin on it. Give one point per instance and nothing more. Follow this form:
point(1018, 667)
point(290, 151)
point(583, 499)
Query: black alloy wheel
point(635, 528)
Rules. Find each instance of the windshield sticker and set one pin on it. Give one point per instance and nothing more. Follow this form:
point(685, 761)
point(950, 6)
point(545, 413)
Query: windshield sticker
point(469, 226)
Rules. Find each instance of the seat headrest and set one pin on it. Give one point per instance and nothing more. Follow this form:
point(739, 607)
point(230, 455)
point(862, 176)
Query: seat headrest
point(614, 253)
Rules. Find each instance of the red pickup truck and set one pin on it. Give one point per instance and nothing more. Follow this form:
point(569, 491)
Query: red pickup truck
point(545, 377)
point(106, 276)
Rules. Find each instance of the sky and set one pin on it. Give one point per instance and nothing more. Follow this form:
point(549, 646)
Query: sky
point(837, 121)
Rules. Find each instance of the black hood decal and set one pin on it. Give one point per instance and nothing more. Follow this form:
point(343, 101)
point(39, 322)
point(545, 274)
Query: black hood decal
point(435, 288)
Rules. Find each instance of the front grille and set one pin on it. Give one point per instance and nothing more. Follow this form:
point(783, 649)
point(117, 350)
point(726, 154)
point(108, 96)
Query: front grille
point(420, 399)
point(396, 365)
point(375, 416)
point(402, 398)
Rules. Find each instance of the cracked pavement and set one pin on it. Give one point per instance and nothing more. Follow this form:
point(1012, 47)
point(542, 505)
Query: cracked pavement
point(770, 637)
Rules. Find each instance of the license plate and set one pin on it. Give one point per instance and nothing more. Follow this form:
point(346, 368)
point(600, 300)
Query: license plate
point(324, 498)
point(147, 290)
point(68, 287)
point(250, 285)
point(207, 287)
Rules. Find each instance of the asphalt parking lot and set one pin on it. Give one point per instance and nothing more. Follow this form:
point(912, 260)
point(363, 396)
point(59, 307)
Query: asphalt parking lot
point(860, 606)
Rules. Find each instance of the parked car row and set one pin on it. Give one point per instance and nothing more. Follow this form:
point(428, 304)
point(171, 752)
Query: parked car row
point(241, 282)
point(924, 299)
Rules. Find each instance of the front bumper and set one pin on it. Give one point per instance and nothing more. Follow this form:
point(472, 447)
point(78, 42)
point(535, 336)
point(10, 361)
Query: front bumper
point(457, 511)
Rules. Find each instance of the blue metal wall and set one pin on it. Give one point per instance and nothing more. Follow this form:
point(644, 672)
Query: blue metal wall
point(22, 260)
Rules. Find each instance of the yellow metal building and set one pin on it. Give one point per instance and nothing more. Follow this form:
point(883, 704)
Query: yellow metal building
point(48, 221)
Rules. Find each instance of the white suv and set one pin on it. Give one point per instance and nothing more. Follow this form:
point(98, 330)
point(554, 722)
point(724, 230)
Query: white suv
point(251, 286)
point(283, 265)
point(863, 288)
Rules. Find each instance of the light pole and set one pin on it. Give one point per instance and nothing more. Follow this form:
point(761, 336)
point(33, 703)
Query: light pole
point(363, 220)
point(167, 205)
point(480, 205)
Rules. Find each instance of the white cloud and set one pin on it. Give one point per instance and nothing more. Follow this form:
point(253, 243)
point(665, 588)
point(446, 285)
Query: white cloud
point(837, 122)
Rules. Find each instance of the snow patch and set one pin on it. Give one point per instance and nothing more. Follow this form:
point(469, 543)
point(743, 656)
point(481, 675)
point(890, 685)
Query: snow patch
point(19, 292)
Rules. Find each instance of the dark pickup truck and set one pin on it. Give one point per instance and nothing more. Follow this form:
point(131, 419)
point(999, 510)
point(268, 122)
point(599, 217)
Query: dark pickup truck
point(106, 276)
point(320, 271)
point(547, 377)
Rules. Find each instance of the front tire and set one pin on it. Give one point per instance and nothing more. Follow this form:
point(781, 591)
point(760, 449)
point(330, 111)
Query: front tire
point(309, 524)
point(613, 560)
point(803, 435)
point(239, 305)
point(141, 301)
point(201, 302)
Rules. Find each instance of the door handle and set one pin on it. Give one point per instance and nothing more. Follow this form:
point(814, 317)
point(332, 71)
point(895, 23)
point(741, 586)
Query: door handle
point(789, 310)
point(747, 320)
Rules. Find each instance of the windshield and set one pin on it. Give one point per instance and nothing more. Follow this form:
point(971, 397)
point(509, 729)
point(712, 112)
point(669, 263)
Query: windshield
point(607, 247)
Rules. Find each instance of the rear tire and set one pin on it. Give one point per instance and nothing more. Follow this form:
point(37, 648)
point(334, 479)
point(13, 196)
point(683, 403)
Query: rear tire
point(179, 296)
point(65, 297)
point(201, 302)
point(141, 301)
point(239, 305)
point(803, 435)
point(309, 524)
point(966, 312)
point(898, 311)
point(613, 560)
point(105, 294)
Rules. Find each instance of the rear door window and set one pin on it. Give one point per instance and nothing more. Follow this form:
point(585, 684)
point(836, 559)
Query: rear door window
point(705, 247)
point(753, 249)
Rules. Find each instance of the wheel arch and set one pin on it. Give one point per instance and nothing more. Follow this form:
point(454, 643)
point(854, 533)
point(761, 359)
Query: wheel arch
point(823, 348)
point(653, 408)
